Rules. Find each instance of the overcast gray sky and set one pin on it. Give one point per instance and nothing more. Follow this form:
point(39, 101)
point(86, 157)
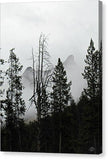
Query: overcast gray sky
point(69, 26)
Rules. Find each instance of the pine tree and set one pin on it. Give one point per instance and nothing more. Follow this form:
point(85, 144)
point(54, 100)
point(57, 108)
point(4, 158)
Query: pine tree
point(85, 123)
point(45, 105)
point(15, 105)
point(1, 76)
point(70, 128)
point(60, 95)
point(1, 90)
point(61, 89)
point(98, 101)
point(93, 110)
point(90, 71)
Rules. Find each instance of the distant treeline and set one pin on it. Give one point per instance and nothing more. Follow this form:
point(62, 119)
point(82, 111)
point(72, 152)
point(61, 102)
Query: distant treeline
point(61, 126)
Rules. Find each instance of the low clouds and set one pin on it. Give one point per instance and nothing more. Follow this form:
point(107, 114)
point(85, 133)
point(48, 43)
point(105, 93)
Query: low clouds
point(70, 26)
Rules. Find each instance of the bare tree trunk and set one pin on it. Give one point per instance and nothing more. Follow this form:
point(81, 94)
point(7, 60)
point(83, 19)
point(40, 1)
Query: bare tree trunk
point(19, 139)
point(95, 145)
point(38, 118)
point(10, 140)
point(34, 81)
point(38, 129)
point(38, 83)
point(42, 64)
point(60, 124)
point(39, 98)
point(60, 133)
point(60, 140)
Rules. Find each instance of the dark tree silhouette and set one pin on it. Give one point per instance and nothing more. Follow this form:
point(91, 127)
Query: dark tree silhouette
point(14, 107)
point(60, 95)
point(41, 78)
point(92, 108)
point(1, 90)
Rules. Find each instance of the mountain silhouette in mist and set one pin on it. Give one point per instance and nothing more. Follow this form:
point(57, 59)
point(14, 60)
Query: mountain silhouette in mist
point(74, 74)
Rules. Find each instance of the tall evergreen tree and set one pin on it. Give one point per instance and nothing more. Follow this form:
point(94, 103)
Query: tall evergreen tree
point(61, 88)
point(1, 76)
point(45, 105)
point(93, 110)
point(1, 90)
point(60, 95)
point(15, 105)
point(99, 101)
point(90, 71)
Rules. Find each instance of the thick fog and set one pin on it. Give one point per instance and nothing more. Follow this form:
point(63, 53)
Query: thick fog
point(69, 27)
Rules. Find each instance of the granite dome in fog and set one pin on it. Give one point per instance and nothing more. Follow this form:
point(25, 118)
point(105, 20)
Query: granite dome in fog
point(28, 74)
point(69, 61)
point(73, 72)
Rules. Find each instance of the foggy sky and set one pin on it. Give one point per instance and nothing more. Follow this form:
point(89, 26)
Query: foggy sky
point(69, 26)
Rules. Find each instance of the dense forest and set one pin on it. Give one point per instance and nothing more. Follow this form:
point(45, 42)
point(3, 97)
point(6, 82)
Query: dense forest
point(61, 125)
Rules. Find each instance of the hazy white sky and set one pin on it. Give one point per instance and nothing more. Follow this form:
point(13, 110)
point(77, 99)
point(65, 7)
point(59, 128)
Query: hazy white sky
point(69, 26)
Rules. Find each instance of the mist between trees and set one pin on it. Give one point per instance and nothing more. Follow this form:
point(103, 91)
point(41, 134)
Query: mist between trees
point(61, 126)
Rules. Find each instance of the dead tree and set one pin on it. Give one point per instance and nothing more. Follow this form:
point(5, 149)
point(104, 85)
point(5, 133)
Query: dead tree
point(41, 79)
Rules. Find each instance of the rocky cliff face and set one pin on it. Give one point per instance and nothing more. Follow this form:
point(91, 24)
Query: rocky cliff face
point(27, 80)
point(74, 74)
